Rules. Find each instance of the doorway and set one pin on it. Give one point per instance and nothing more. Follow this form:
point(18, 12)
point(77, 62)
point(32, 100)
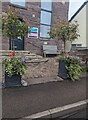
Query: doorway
point(18, 42)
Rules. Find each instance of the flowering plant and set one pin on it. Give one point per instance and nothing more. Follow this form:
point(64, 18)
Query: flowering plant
point(14, 65)
point(11, 54)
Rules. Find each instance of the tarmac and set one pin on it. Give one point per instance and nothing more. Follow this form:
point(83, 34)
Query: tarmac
point(21, 102)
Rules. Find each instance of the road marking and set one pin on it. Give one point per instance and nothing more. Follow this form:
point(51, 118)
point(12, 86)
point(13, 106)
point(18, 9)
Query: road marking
point(57, 110)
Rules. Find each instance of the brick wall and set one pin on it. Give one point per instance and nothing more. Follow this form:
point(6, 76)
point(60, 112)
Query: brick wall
point(59, 12)
point(5, 43)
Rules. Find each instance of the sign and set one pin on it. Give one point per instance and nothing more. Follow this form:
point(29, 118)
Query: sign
point(33, 32)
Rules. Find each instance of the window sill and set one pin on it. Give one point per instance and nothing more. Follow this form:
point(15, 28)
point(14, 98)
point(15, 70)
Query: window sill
point(45, 39)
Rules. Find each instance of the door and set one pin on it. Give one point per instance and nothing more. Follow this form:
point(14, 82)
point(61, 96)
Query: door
point(19, 43)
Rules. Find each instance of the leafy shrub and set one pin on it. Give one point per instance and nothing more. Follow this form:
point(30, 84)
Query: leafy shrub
point(14, 65)
point(73, 67)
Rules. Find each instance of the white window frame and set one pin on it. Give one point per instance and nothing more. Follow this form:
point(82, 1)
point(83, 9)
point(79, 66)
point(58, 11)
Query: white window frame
point(15, 2)
point(42, 23)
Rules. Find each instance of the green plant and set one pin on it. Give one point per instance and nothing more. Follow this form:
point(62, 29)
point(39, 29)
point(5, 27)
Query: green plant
point(14, 65)
point(73, 67)
point(86, 69)
point(12, 26)
point(65, 31)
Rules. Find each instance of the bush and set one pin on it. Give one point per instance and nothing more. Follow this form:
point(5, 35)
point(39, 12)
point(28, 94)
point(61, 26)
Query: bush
point(14, 65)
point(73, 67)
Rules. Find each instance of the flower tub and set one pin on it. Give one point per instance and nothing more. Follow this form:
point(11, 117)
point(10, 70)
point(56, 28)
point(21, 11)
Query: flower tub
point(14, 69)
point(70, 68)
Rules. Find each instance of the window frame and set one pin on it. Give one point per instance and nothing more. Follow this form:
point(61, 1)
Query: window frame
point(19, 6)
point(50, 16)
point(77, 45)
point(44, 26)
point(46, 8)
point(48, 38)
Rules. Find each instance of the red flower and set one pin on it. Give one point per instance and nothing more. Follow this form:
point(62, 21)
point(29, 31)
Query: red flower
point(11, 54)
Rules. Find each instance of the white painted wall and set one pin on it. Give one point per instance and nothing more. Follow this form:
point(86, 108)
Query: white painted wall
point(74, 5)
point(81, 18)
point(87, 25)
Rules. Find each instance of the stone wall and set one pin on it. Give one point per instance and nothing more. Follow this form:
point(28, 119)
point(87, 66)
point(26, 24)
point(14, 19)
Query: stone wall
point(39, 69)
point(5, 43)
point(59, 12)
point(45, 69)
point(35, 45)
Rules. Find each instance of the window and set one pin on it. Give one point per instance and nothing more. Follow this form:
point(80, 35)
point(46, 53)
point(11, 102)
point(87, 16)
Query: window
point(45, 19)
point(46, 5)
point(73, 45)
point(44, 30)
point(18, 2)
point(76, 45)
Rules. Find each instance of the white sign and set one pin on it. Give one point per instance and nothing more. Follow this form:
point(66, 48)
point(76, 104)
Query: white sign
point(33, 32)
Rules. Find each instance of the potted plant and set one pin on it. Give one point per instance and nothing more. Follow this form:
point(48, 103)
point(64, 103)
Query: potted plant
point(70, 68)
point(14, 69)
point(67, 32)
point(12, 27)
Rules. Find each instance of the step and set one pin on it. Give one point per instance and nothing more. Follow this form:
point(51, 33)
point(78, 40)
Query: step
point(37, 60)
point(20, 53)
point(6, 52)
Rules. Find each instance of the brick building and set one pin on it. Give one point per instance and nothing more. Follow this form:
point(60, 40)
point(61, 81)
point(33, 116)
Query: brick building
point(38, 15)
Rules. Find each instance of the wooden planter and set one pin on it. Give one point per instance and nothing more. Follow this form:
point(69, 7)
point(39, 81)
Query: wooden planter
point(62, 71)
point(13, 81)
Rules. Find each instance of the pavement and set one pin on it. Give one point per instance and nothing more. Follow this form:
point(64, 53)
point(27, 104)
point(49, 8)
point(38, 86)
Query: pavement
point(20, 102)
point(78, 115)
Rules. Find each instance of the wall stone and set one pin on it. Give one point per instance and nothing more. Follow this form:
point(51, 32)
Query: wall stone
point(59, 12)
point(42, 69)
point(5, 43)
point(35, 45)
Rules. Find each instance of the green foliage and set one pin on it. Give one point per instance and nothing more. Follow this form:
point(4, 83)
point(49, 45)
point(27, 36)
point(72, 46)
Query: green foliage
point(11, 25)
point(66, 31)
point(86, 69)
point(73, 67)
point(14, 65)
point(0, 26)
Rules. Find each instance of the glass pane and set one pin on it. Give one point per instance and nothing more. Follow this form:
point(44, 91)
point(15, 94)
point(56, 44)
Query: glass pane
point(18, 2)
point(44, 31)
point(78, 45)
point(47, 5)
point(74, 45)
point(45, 18)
